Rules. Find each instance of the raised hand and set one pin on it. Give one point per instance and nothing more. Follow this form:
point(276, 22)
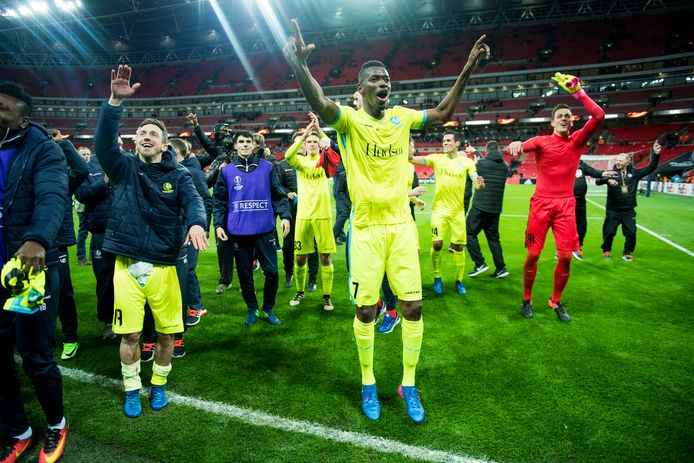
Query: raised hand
point(193, 119)
point(120, 83)
point(571, 84)
point(479, 50)
point(295, 50)
point(657, 147)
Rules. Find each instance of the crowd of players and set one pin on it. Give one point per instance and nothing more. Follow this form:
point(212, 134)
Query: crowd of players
point(149, 214)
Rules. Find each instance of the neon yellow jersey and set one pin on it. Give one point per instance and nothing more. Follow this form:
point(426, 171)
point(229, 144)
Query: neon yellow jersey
point(312, 185)
point(451, 176)
point(375, 155)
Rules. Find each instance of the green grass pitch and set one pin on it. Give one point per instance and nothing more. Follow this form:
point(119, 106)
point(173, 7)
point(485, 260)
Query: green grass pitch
point(613, 385)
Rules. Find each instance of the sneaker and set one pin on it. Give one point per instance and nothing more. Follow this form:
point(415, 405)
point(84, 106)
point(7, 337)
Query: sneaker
point(132, 407)
point(578, 255)
point(251, 318)
point(459, 288)
point(53, 445)
point(327, 303)
point(179, 349)
point(561, 312)
point(450, 248)
point(627, 257)
point(147, 352)
point(194, 316)
point(500, 273)
point(438, 286)
point(389, 324)
point(108, 333)
point(69, 350)
point(311, 287)
point(288, 281)
point(478, 269)
point(606, 255)
point(296, 300)
point(414, 407)
point(220, 288)
point(15, 449)
point(269, 317)
point(527, 309)
point(369, 402)
point(157, 397)
point(256, 265)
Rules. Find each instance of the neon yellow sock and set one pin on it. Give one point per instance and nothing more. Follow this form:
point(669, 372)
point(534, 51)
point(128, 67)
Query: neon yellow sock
point(436, 262)
point(459, 259)
point(131, 376)
point(364, 335)
point(326, 274)
point(412, 333)
point(159, 374)
point(300, 276)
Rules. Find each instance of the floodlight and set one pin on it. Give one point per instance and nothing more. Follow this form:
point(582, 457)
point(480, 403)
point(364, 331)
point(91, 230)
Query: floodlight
point(39, 6)
point(24, 10)
point(9, 13)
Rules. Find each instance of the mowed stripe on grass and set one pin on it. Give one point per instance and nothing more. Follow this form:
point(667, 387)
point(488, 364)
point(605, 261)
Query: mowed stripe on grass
point(257, 418)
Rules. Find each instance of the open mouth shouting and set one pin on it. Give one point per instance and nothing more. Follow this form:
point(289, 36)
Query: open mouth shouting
point(382, 96)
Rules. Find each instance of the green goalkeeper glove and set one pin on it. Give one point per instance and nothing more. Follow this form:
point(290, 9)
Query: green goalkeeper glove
point(570, 83)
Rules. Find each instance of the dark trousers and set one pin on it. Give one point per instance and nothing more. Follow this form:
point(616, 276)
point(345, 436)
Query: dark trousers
point(34, 337)
point(342, 211)
point(82, 236)
point(581, 221)
point(264, 248)
point(67, 310)
point(149, 332)
point(225, 259)
point(613, 219)
point(478, 220)
point(288, 255)
point(103, 265)
point(388, 297)
point(194, 297)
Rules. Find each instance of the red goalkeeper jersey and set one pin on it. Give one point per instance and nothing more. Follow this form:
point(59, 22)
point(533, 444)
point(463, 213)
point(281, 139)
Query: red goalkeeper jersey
point(558, 157)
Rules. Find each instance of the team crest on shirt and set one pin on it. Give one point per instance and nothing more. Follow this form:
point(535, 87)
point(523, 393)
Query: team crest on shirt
point(167, 188)
point(237, 183)
point(395, 121)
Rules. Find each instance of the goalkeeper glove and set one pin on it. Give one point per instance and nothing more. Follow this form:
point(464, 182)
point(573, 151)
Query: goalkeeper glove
point(570, 83)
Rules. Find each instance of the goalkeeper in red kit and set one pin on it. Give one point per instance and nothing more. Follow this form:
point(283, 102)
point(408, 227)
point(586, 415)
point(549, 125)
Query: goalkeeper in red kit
point(553, 204)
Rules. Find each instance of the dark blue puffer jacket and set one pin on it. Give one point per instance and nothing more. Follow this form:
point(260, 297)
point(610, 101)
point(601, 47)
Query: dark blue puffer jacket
point(77, 173)
point(149, 200)
point(193, 166)
point(35, 193)
point(96, 195)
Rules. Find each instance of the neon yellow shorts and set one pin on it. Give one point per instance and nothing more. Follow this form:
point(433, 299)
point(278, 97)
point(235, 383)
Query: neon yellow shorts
point(374, 249)
point(309, 229)
point(161, 291)
point(442, 221)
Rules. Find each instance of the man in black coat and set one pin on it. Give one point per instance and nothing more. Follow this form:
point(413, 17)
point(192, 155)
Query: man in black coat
point(486, 210)
point(622, 188)
point(33, 193)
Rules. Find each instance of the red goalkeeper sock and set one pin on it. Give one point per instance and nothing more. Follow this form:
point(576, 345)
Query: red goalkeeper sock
point(529, 271)
point(561, 275)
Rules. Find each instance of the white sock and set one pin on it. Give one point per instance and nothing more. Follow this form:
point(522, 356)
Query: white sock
point(60, 425)
point(25, 435)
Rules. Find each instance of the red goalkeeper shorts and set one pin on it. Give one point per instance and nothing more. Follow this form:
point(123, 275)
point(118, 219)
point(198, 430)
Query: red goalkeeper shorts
point(558, 213)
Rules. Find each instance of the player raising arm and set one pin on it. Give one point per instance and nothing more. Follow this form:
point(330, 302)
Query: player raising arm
point(374, 147)
point(553, 204)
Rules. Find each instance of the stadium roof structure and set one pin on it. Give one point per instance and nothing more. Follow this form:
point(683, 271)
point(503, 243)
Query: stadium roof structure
point(40, 33)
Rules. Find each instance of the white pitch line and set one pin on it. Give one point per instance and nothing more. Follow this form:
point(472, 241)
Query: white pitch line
point(258, 418)
point(651, 232)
